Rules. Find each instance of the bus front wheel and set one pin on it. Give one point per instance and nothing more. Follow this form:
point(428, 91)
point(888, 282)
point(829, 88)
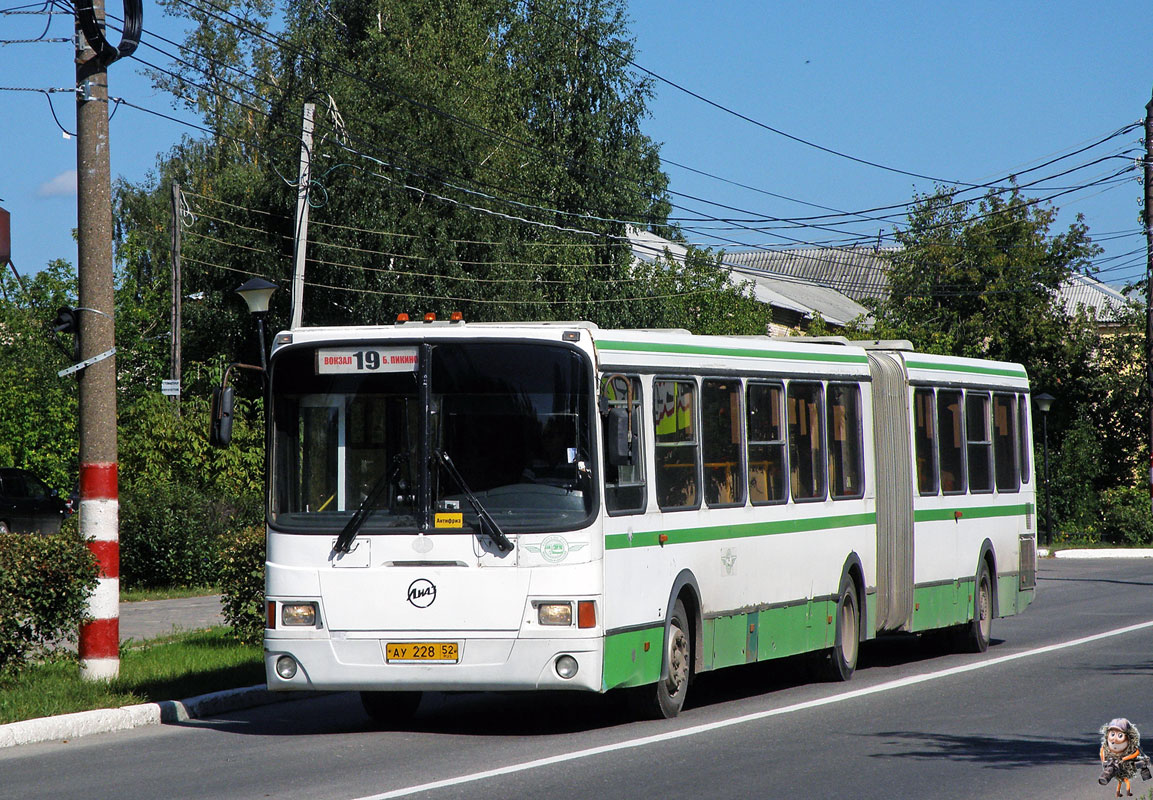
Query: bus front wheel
point(666, 698)
point(390, 708)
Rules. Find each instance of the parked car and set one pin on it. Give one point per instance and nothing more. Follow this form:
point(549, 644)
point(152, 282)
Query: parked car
point(27, 505)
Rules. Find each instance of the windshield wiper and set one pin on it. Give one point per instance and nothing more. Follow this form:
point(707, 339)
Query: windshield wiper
point(486, 524)
point(367, 506)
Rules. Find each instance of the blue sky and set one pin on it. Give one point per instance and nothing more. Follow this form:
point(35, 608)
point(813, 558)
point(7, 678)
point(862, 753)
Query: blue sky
point(967, 92)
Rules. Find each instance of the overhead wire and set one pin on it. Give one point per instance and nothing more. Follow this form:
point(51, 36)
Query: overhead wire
point(539, 208)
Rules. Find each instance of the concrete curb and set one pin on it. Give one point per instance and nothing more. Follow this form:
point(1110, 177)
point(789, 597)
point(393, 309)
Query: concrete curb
point(1104, 552)
point(108, 720)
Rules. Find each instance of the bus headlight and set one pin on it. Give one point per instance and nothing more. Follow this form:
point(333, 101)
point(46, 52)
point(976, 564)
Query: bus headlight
point(298, 614)
point(554, 614)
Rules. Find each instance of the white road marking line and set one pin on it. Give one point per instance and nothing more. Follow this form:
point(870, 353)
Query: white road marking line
point(888, 686)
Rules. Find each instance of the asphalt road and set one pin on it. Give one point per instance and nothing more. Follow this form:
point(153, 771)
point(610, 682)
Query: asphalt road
point(1020, 721)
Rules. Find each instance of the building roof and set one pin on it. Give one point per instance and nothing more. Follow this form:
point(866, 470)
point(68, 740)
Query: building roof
point(796, 294)
point(834, 281)
point(859, 273)
point(1106, 303)
point(856, 272)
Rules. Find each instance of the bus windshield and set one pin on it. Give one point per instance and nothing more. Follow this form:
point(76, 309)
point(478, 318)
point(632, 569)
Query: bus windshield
point(514, 419)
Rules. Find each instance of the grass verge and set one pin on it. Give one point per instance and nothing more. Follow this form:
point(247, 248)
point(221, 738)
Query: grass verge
point(142, 595)
point(171, 668)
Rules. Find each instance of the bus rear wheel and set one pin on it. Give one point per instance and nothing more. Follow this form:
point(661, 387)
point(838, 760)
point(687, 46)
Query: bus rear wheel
point(388, 709)
point(666, 698)
point(846, 633)
point(974, 637)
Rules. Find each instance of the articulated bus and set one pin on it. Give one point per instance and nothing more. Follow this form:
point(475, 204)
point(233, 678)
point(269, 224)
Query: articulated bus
point(540, 506)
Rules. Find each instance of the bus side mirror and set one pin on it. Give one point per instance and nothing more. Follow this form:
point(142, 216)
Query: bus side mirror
point(220, 422)
point(617, 440)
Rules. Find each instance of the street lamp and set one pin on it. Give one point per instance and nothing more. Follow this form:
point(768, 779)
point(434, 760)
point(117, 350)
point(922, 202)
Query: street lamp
point(256, 293)
point(1044, 402)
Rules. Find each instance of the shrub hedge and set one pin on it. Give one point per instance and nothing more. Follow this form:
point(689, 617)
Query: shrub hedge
point(45, 582)
point(242, 583)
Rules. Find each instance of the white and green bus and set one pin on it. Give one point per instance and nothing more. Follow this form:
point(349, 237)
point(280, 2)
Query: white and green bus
point(458, 506)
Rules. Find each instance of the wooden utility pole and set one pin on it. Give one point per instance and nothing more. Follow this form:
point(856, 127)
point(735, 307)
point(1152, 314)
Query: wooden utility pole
point(303, 185)
point(99, 504)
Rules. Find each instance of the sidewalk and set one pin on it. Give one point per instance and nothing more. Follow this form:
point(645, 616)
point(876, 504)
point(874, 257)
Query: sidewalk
point(1101, 552)
point(151, 618)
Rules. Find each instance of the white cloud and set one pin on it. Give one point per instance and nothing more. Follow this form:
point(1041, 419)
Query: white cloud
point(60, 186)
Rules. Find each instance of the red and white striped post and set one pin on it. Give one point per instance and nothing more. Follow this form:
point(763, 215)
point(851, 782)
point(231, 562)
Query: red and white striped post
point(99, 507)
point(99, 525)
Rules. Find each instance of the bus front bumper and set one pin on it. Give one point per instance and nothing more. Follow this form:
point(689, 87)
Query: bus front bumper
point(345, 663)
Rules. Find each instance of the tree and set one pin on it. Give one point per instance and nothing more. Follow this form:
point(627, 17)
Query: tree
point(482, 157)
point(981, 279)
point(38, 408)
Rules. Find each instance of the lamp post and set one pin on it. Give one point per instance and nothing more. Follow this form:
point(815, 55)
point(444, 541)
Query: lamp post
point(256, 293)
point(1044, 402)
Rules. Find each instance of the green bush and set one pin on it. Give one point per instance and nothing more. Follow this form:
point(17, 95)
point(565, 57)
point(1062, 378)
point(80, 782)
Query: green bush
point(1125, 516)
point(45, 582)
point(242, 583)
point(171, 535)
point(179, 498)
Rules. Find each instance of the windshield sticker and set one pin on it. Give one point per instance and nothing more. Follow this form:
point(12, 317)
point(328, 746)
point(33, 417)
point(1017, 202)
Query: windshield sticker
point(342, 360)
point(448, 520)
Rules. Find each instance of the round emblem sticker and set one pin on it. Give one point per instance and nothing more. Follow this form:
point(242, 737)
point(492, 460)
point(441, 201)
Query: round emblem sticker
point(554, 549)
point(421, 593)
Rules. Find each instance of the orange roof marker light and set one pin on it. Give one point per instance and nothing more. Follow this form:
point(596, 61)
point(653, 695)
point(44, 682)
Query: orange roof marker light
point(430, 316)
point(401, 317)
point(456, 316)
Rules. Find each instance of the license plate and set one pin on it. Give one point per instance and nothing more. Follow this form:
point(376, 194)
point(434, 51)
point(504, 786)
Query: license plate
point(421, 651)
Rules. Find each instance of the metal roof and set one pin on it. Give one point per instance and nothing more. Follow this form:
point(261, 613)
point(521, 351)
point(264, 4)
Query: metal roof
point(856, 272)
point(834, 281)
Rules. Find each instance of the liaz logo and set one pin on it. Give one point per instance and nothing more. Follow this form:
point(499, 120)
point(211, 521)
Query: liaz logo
point(421, 593)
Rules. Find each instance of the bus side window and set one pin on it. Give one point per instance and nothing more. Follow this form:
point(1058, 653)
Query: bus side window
point(846, 472)
point(625, 484)
point(766, 443)
point(1005, 442)
point(721, 418)
point(979, 442)
point(806, 444)
point(678, 449)
point(924, 441)
point(950, 442)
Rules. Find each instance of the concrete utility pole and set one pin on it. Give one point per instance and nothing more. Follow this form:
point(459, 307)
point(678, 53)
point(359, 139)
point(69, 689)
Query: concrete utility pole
point(99, 505)
point(303, 185)
point(1148, 220)
point(174, 352)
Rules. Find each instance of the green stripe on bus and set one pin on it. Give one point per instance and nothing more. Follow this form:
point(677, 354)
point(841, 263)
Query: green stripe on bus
point(621, 541)
point(736, 352)
point(1007, 372)
point(980, 512)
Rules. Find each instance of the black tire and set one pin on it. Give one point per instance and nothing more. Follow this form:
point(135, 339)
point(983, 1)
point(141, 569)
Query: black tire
point(842, 656)
point(974, 636)
point(389, 709)
point(666, 698)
